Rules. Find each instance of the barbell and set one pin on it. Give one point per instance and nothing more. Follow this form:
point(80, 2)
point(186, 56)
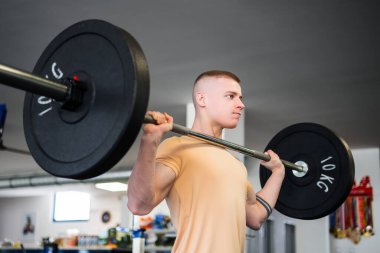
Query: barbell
point(87, 98)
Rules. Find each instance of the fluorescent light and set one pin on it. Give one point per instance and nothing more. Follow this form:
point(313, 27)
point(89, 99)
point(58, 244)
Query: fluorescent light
point(112, 186)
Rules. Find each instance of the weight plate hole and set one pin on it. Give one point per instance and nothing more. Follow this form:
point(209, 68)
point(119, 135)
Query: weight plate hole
point(304, 166)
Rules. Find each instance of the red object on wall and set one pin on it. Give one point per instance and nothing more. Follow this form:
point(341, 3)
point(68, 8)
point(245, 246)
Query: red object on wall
point(363, 189)
point(354, 217)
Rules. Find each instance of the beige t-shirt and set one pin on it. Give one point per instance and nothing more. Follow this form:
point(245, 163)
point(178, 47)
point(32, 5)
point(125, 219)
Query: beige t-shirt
point(207, 200)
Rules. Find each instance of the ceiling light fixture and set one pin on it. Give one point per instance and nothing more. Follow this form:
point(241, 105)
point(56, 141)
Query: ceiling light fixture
point(112, 186)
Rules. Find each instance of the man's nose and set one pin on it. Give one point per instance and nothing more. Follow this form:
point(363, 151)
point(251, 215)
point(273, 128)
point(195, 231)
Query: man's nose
point(240, 104)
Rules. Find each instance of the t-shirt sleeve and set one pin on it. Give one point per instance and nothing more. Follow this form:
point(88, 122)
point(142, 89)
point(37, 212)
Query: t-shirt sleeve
point(168, 154)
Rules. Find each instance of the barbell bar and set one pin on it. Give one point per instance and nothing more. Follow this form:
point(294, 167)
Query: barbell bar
point(28, 82)
point(87, 100)
point(227, 144)
point(64, 92)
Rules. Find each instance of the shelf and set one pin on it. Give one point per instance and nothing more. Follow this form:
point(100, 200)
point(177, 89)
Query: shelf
point(88, 250)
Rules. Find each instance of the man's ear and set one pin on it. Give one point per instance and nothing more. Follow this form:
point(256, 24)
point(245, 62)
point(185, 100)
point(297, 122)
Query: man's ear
point(200, 99)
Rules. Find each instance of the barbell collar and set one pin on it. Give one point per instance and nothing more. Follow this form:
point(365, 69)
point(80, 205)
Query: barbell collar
point(28, 82)
point(223, 143)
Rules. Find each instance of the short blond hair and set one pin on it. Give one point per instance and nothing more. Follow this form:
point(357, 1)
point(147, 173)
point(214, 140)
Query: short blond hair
point(218, 73)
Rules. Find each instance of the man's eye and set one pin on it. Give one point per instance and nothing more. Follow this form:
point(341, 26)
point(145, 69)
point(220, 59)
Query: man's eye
point(230, 96)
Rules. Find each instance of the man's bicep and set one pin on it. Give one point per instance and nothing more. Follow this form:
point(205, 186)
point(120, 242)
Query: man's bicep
point(165, 177)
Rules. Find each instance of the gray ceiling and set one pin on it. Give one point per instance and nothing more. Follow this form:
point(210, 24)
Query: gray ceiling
point(299, 61)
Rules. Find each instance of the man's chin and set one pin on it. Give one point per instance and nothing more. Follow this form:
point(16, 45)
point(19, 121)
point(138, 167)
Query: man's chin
point(231, 126)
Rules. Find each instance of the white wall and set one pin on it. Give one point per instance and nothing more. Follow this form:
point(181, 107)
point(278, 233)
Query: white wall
point(14, 210)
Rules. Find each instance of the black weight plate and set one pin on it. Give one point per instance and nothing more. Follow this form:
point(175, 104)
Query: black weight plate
point(90, 140)
point(330, 175)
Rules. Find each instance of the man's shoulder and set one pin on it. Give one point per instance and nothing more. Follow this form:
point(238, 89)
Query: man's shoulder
point(176, 143)
point(183, 139)
point(171, 141)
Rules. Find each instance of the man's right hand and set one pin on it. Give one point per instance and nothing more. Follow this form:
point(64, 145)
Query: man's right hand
point(164, 123)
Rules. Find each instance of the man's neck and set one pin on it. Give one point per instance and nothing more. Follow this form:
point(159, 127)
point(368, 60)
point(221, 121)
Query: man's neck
point(206, 127)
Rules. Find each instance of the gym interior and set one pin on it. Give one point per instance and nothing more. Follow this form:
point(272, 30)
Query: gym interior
point(298, 62)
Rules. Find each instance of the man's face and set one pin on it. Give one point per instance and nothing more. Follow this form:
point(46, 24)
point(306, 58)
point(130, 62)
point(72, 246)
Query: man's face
point(223, 101)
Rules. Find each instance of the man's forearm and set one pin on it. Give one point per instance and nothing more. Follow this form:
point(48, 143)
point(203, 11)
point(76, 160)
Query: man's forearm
point(141, 183)
point(272, 188)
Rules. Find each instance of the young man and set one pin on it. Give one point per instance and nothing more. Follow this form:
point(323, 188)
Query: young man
point(206, 188)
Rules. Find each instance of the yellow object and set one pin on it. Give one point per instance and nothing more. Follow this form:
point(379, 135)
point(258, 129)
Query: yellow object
point(207, 204)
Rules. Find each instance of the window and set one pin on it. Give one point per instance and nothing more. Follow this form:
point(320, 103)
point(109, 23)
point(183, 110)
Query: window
point(71, 206)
